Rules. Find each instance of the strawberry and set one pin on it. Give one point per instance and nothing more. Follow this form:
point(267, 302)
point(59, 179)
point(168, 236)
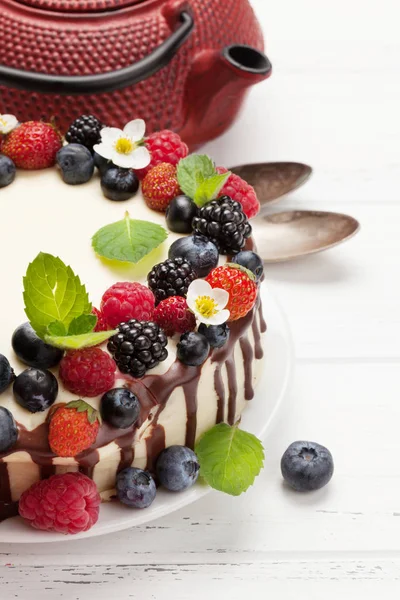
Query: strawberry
point(32, 145)
point(241, 286)
point(73, 428)
point(160, 186)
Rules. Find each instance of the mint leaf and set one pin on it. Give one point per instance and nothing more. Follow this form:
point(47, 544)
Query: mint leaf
point(52, 292)
point(57, 328)
point(75, 342)
point(209, 189)
point(82, 324)
point(128, 240)
point(230, 459)
point(192, 171)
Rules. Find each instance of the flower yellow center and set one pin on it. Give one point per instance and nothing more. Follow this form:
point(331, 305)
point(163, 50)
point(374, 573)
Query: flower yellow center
point(124, 145)
point(206, 306)
point(3, 122)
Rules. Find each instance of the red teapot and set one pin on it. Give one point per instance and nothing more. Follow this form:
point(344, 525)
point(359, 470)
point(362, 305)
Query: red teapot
point(184, 65)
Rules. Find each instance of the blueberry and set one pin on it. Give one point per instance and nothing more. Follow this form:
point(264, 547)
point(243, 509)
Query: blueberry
point(119, 184)
point(135, 488)
point(8, 430)
point(35, 390)
point(32, 350)
point(7, 171)
point(120, 407)
point(198, 250)
point(103, 164)
point(250, 260)
point(307, 466)
point(6, 374)
point(76, 164)
point(192, 349)
point(180, 213)
point(177, 468)
point(217, 335)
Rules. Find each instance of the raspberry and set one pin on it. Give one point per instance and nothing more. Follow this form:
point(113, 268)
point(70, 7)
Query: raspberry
point(160, 186)
point(125, 301)
point(224, 223)
point(32, 145)
point(241, 288)
point(165, 147)
point(101, 324)
point(73, 428)
point(66, 503)
point(87, 372)
point(241, 191)
point(85, 130)
point(171, 278)
point(173, 316)
point(139, 346)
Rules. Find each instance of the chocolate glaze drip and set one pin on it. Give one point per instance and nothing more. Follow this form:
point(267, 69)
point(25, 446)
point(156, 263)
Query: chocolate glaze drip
point(153, 391)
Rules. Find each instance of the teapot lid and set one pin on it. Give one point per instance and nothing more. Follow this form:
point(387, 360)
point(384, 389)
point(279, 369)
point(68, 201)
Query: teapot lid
point(79, 5)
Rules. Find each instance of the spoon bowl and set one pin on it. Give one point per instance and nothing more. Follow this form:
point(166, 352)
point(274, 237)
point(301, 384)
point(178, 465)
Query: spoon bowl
point(272, 180)
point(289, 235)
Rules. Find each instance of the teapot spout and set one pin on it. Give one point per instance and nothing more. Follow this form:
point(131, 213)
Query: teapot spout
point(216, 87)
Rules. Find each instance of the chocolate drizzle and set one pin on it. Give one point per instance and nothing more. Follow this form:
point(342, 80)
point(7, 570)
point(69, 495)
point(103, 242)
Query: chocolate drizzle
point(153, 392)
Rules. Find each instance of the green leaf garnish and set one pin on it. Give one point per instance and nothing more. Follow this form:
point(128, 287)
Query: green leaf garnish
point(82, 324)
point(128, 240)
point(57, 328)
point(198, 178)
point(75, 342)
point(53, 293)
point(82, 406)
point(230, 459)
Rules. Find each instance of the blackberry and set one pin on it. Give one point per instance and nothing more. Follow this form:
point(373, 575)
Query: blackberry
point(138, 347)
point(224, 223)
point(85, 130)
point(171, 278)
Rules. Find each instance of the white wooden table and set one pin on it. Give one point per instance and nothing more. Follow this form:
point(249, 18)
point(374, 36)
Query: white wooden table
point(332, 102)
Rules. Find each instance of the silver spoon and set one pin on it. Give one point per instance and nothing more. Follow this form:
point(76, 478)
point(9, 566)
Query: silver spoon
point(272, 180)
point(292, 234)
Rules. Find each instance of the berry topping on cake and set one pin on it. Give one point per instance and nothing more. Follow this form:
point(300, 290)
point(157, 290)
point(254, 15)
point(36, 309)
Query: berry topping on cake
point(119, 184)
point(84, 130)
point(120, 408)
point(160, 186)
point(216, 335)
point(135, 488)
point(102, 163)
point(35, 389)
point(32, 145)
point(73, 428)
point(173, 316)
point(66, 503)
point(171, 278)
point(8, 430)
point(180, 214)
point(88, 372)
point(198, 250)
point(76, 164)
point(7, 374)
point(241, 191)
point(224, 223)
point(307, 466)
point(165, 147)
point(138, 347)
point(239, 283)
point(192, 349)
point(125, 301)
point(251, 261)
point(32, 350)
point(7, 171)
point(177, 468)
point(101, 324)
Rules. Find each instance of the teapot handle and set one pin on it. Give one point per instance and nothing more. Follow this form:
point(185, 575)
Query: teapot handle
point(102, 82)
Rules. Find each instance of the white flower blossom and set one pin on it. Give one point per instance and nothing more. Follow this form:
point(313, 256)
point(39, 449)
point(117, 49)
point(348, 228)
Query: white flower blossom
point(124, 147)
point(207, 303)
point(7, 123)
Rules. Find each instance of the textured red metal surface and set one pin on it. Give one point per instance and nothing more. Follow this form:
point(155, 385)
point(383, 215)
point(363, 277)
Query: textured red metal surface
point(79, 5)
point(197, 93)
